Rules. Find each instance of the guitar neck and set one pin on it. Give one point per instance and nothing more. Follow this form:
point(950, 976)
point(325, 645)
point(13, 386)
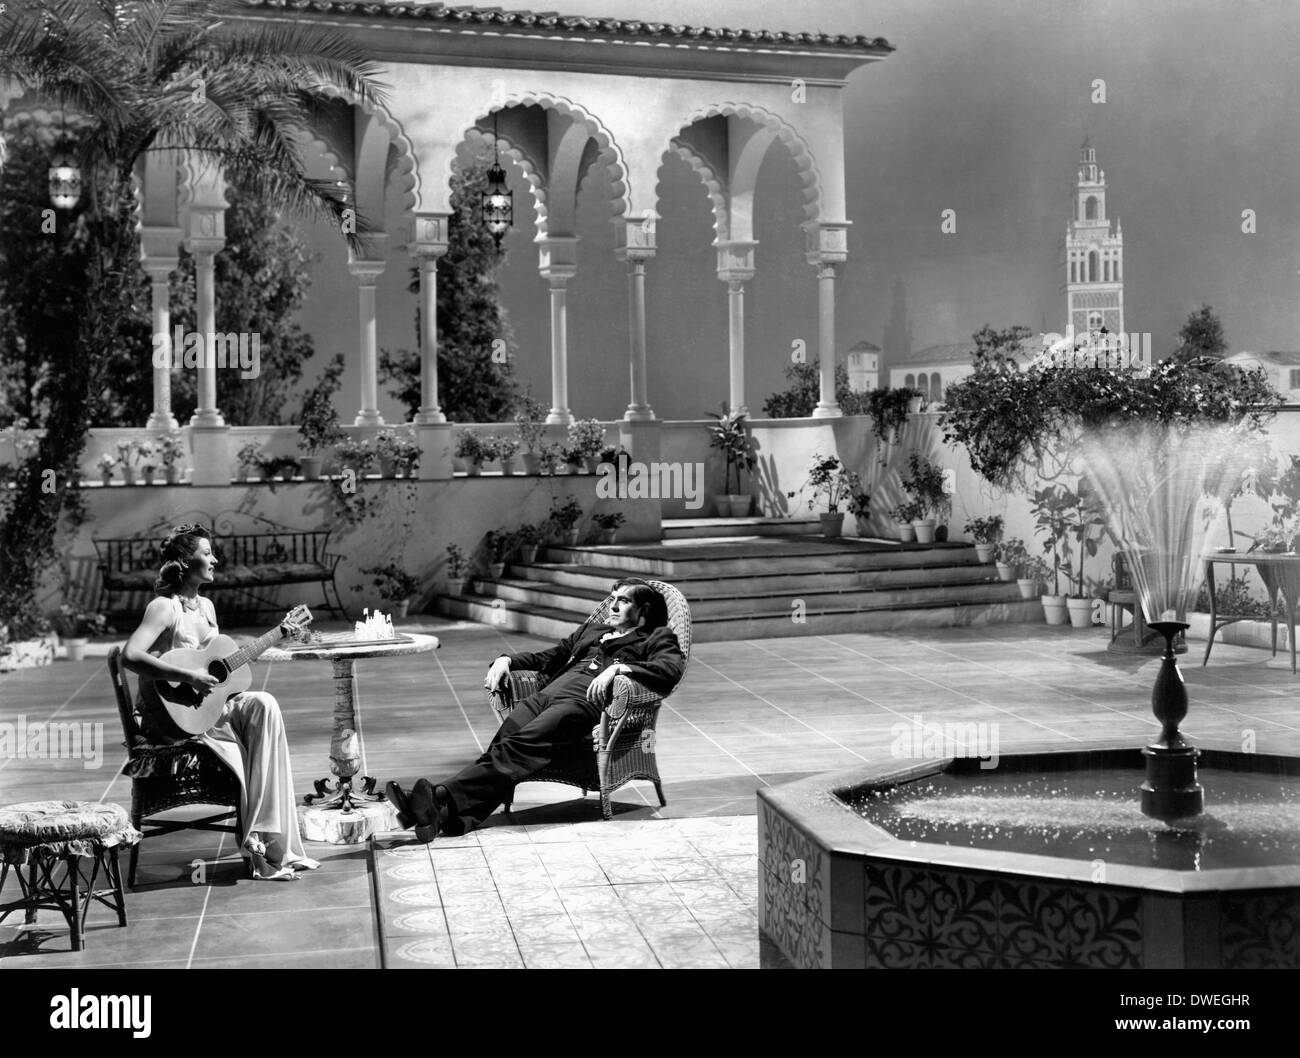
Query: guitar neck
point(252, 651)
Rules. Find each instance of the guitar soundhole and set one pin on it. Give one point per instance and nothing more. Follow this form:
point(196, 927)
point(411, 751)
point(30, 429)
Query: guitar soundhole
point(217, 670)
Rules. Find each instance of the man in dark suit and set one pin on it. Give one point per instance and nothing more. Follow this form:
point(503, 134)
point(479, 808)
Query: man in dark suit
point(635, 642)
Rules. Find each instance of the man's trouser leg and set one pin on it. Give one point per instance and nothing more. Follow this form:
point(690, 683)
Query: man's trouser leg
point(528, 740)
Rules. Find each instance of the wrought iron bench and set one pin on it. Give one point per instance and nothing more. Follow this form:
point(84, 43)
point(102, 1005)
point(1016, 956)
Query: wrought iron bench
point(265, 555)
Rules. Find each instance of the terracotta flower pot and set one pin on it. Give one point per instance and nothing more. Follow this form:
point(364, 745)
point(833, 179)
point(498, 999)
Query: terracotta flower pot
point(76, 648)
point(569, 537)
point(532, 463)
point(607, 536)
point(497, 570)
point(507, 467)
point(738, 505)
point(311, 467)
point(107, 477)
point(592, 464)
point(924, 528)
point(128, 475)
point(984, 552)
point(474, 468)
point(1028, 587)
point(173, 473)
point(387, 467)
point(906, 533)
point(527, 552)
point(455, 585)
point(1007, 572)
point(1054, 609)
point(400, 607)
point(1080, 611)
point(832, 524)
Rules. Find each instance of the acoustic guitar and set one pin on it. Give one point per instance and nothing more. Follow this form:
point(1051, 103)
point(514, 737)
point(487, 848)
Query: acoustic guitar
point(194, 710)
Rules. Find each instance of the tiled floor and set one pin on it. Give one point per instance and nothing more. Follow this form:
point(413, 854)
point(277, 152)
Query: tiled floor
point(552, 885)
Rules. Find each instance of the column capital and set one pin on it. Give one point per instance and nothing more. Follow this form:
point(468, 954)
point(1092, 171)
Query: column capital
point(557, 256)
point(735, 260)
point(430, 235)
point(159, 268)
point(206, 229)
point(159, 244)
point(634, 237)
point(827, 242)
point(366, 270)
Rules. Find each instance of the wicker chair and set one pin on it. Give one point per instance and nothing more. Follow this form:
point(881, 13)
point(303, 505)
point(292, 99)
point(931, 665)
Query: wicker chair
point(164, 777)
point(624, 745)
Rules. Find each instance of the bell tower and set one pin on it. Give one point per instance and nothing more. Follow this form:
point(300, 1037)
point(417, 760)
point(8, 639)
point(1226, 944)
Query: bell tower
point(1094, 254)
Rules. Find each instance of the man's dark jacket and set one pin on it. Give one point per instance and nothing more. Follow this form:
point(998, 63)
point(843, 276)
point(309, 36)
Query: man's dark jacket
point(655, 658)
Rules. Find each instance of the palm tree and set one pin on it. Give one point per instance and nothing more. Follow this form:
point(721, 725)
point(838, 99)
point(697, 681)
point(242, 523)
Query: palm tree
point(153, 75)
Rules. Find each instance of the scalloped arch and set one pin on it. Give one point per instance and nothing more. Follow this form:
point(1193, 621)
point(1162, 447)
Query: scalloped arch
point(407, 164)
point(713, 185)
point(527, 164)
point(805, 162)
point(611, 155)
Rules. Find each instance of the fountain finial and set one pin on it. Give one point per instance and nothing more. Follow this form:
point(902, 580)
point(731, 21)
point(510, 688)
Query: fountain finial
point(1171, 790)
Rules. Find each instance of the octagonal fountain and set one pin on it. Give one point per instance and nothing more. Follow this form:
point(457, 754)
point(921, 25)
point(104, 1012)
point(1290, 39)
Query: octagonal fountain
point(1112, 856)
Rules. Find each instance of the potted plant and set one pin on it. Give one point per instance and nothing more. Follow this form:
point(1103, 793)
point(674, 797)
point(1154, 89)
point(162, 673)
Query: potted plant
point(407, 454)
point(506, 447)
point(529, 536)
point(278, 468)
point(925, 484)
point(497, 544)
point(76, 625)
point(987, 532)
point(829, 477)
point(386, 453)
point(1033, 574)
point(171, 448)
point(530, 424)
point(470, 447)
point(609, 454)
point(586, 439)
point(549, 458)
point(1275, 540)
point(609, 524)
point(888, 408)
point(1051, 510)
point(729, 435)
point(356, 455)
point(395, 586)
point(456, 564)
point(564, 520)
point(250, 458)
point(573, 459)
point(860, 508)
point(129, 455)
point(906, 514)
point(1012, 557)
point(1087, 522)
point(319, 430)
point(106, 463)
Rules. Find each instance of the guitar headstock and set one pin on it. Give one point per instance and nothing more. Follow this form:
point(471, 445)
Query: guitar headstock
point(295, 622)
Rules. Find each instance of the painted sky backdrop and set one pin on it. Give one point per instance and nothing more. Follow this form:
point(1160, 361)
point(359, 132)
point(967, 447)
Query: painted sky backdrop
point(982, 110)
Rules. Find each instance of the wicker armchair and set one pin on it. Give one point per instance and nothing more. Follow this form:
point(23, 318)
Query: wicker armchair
point(623, 747)
point(164, 777)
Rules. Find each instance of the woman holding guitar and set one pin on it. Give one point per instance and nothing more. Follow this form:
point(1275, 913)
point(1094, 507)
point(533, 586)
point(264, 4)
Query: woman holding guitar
point(248, 733)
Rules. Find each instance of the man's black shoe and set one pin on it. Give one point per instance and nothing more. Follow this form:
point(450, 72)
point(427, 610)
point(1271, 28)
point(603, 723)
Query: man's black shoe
point(398, 799)
point(424, 810)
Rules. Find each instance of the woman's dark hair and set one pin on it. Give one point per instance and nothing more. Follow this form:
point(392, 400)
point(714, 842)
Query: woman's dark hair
point(176, 552)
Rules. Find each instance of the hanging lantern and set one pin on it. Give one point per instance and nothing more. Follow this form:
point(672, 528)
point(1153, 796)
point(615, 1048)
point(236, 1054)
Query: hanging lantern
point(65, 176)
point(498, 205)
point(498, 201)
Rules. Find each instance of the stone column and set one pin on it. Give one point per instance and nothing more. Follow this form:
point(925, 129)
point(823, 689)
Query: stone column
point(735, 268)
point(827, 247)
point(432, 429)
point(637, 247)
point(367, 272)
point(558, 264)
point(159, 268)
point(209, 435)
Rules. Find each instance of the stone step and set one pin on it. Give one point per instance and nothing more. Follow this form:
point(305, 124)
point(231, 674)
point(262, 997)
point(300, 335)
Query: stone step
point(810, 555)
point(583, 601)
point(550, 623)
point(724, 528)
point(701, 587)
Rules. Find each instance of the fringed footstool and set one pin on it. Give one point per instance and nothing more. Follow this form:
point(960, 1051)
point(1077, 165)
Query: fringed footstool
point(39, 835)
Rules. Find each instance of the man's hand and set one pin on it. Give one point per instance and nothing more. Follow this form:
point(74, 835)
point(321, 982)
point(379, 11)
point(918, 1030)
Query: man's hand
point(602, 687)
point(496, 676)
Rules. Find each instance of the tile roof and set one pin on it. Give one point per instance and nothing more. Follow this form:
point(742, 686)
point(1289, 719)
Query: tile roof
point(544, 21)
point(952, 353)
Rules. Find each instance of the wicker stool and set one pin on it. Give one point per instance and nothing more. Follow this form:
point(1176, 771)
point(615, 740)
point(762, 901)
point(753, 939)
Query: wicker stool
point(39, 835)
